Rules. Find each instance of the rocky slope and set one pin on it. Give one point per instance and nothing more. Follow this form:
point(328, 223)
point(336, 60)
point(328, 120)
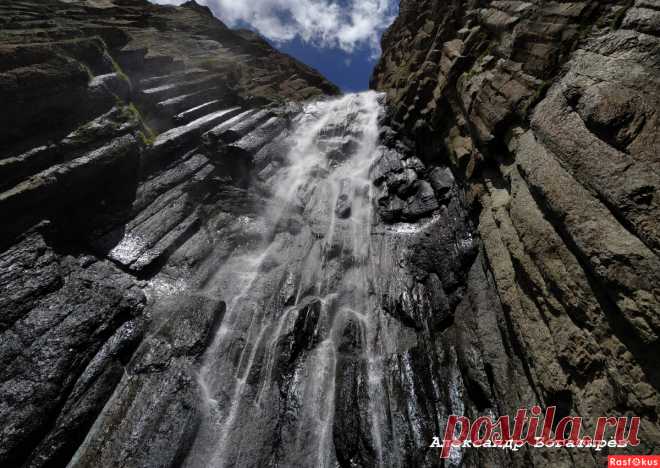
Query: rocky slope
point(100, 182)
point(513, 258)
point(548, 114)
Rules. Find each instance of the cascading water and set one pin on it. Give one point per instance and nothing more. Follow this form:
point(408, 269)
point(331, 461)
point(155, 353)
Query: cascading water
point(297, 364)
point(316, 230)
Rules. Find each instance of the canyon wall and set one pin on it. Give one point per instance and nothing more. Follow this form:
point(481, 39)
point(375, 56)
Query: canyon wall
point(512, 259)
point(548, 114)
point(103, 106)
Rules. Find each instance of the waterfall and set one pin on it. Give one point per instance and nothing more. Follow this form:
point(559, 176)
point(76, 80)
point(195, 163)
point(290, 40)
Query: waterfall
point(300, 298)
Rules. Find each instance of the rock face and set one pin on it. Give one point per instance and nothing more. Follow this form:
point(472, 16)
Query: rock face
point(102, 178)
point(206, 261)
point(547, 114)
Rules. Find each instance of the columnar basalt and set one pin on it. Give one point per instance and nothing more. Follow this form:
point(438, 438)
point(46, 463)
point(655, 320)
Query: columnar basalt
point(104, 179)
point(209, 259)
point(547, 113)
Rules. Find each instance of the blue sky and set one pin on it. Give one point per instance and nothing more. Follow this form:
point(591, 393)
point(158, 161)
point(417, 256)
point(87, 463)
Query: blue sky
point(340, 38)
point(348, 70)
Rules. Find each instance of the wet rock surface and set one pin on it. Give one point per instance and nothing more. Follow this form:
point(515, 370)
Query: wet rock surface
point(70, 324)
point(153, 413)
point(104, 178)
point(198, 269)
point(540, 109)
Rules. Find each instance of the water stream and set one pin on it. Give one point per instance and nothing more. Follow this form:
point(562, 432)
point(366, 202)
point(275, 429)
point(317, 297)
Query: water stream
point(303, 310)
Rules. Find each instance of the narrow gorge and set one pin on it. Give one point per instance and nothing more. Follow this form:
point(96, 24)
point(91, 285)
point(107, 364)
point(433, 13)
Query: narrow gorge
point(210, 257)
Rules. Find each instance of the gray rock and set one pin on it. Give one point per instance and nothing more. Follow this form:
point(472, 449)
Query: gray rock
point(68, 314)
point(137, 429)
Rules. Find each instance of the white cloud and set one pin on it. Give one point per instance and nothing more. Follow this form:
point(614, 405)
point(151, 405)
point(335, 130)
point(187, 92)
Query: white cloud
point(324, 23)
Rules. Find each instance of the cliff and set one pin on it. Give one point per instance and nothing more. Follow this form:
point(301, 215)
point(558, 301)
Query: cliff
point(206, 261)
point(103, 104)
point(174, 58)
point(548, 114)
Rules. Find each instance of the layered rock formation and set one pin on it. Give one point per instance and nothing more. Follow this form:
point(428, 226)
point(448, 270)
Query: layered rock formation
point(547, 113)
point(104, 103)
point(174, 295)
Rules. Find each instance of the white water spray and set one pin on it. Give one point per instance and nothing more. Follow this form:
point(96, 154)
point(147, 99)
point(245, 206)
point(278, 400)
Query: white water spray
point(316, 274)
